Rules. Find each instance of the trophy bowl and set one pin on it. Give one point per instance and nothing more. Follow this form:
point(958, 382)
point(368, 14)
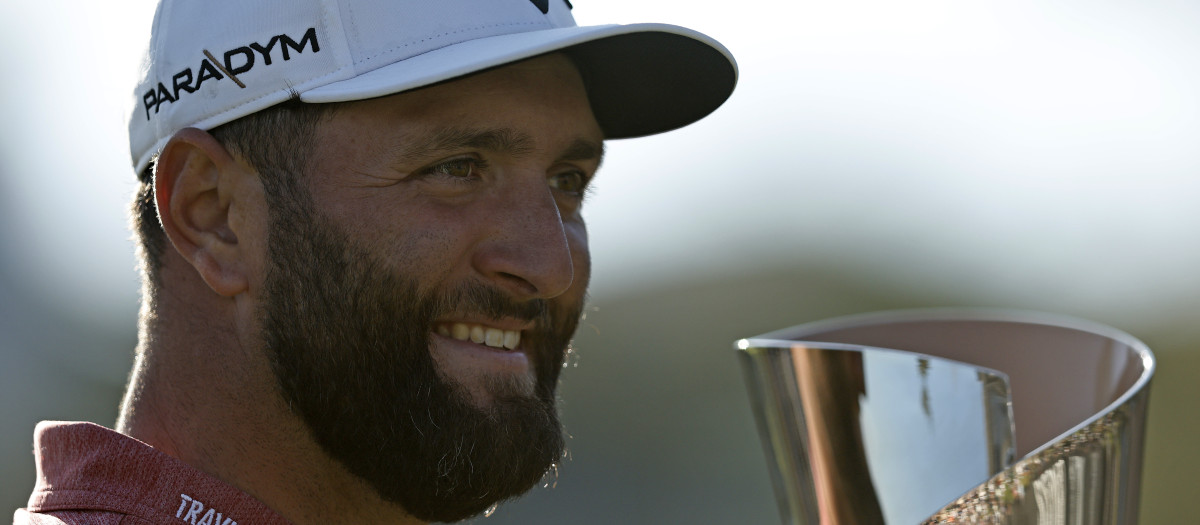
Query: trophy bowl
point(951, 416)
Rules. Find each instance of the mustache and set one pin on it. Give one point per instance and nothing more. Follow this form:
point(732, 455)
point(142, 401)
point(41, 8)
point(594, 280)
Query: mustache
point(475, 298)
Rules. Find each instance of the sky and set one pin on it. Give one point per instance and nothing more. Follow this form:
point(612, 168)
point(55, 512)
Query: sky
point(1015, 149)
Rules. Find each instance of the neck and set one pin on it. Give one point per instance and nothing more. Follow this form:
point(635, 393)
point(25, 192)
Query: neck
point(203, 392)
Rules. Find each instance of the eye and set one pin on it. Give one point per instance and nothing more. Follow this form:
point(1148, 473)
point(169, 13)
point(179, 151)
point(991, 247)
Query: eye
point(459, 168)
point(573, 182)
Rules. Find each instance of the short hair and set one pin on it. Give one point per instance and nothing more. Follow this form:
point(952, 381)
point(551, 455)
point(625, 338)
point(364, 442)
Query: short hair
point(276, 142)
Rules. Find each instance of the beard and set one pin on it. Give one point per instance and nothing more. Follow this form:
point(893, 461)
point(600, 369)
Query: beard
point(349, 342)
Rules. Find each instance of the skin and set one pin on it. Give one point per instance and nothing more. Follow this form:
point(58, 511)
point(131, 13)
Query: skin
point(501, 209)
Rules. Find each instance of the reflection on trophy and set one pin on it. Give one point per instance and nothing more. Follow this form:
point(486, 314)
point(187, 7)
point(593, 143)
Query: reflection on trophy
point(951, 416)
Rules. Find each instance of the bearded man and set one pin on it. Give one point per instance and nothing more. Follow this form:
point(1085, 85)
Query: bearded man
point(363, 255)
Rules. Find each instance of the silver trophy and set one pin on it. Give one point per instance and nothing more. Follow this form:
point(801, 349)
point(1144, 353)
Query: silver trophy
point(951, 416)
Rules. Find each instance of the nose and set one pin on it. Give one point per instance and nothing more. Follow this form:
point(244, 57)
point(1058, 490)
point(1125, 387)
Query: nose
point(526, 250)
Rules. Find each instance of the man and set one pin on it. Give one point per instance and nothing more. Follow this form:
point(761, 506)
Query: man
point(363, 255)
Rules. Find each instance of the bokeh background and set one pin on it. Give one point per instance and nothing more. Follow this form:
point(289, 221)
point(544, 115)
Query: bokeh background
point(876, 155)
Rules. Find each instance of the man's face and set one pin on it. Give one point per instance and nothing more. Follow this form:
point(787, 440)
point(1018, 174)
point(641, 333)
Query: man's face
point(423, 283)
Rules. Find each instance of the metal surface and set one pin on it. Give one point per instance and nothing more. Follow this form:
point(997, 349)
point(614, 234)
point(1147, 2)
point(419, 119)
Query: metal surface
point(844, 446)
point(868, 435)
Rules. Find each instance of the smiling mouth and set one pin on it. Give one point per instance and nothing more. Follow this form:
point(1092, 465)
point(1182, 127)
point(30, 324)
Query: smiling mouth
point(480, 334)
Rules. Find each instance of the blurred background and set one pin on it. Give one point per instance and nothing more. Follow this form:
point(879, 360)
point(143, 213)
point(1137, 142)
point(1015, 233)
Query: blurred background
point(876, 155)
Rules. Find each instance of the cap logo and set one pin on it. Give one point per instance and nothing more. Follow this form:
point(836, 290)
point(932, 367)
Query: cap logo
point(236, 61)
point(544, 5)
point(225, 69)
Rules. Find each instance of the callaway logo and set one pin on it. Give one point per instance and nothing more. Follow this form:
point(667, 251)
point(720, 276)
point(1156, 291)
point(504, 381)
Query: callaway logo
point(544, 5)
point(236, 61)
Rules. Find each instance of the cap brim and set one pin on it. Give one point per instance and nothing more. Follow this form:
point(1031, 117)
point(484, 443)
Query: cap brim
point(641, 79)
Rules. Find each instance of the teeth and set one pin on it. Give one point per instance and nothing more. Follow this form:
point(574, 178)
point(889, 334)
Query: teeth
point(493, 337)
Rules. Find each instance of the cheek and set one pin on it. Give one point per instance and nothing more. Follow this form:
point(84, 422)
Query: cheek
point(430, 246)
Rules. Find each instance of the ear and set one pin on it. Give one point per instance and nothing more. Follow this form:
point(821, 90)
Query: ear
point(194, 181)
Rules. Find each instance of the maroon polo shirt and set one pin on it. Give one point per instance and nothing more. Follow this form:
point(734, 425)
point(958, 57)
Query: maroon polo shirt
point(90, 474)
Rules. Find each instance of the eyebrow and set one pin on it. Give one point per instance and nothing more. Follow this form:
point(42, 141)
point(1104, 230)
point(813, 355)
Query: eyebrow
point(582, 149)
point(504, 140)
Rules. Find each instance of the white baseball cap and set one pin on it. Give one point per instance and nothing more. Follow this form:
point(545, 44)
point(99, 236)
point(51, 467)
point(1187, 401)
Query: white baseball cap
point(210, 63)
